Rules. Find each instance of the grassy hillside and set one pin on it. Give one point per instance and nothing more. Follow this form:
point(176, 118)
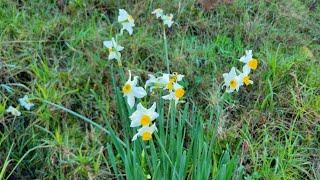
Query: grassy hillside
point(79, 128)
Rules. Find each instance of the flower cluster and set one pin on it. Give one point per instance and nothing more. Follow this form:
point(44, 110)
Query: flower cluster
point(235, 78)
point(142, 116)
point(24, 102)
point(167, 82)
point(167, 19)
point(131, 91)
point(127, 22)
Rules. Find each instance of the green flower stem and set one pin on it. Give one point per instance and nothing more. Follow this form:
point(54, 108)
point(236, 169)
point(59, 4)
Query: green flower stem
point(119, 61)
point(166, 49)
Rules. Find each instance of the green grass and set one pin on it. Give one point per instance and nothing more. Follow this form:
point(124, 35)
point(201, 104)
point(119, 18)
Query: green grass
point(80, 127)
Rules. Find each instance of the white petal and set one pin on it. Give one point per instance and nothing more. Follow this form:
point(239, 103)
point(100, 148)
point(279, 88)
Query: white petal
point(127, 27)
point(131, 100)
point(123, 15)
point(154, 115)
point(135, 81)
point(136, 115)
point(246, 68)
point(153, 107)
point(139, 92)
point(249, 53)
point(112, 55)
point(180, 77)
point(176, 86)
point(141, 108)
point(246, 57)
point(10, 109)
point(107, 44)
point(118, 55)
point(135, 123)
point(230, 90)
point(153, 128)
point(119, 48)
point(169, 96)
point(135, 137)
point(158, 12)
point(164, 79)
point(152, 79)
point(168, 23)
point(233, 73)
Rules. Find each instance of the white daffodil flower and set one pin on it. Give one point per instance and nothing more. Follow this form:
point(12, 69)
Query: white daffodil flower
point(244, 77)
point(13, 111)
point(168, 80)
point(232, 81)
point(145, 132)
point(177, 93)
point(250, 63)
point(25, 102)
point(131, 91)
point(152, 82)
point(167, 20)
point(143, 116)
point(158, 12)
point(126, 20)
point(114, 49)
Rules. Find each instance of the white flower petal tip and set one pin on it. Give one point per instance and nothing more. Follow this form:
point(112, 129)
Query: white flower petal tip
point(13, 111)
point(25, 102)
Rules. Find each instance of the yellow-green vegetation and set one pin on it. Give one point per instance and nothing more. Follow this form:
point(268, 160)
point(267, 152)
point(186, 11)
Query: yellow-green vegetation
point(66, 112)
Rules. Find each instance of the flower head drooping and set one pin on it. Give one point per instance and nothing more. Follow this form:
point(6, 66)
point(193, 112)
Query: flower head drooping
point(250, 63)
point(245, 78)
point(25, 102)
point(158, 12)
point(176, 94)
point(231, 80)
point(167, 20)
point(145, 132)
point(143, 116)
point(13, 111)
point(126, 20)
point(131, 91)
point(114, 49)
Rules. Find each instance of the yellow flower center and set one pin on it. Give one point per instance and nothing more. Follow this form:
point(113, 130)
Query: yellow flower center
point(130, 18)
point(173, 78)
point(179, 93)
point(145, 120)
point(253, 63)
point(146, 136)
point(126, 88)
point(233, 84)
point(246, 80)
point(110, 50)
point(170, 84)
